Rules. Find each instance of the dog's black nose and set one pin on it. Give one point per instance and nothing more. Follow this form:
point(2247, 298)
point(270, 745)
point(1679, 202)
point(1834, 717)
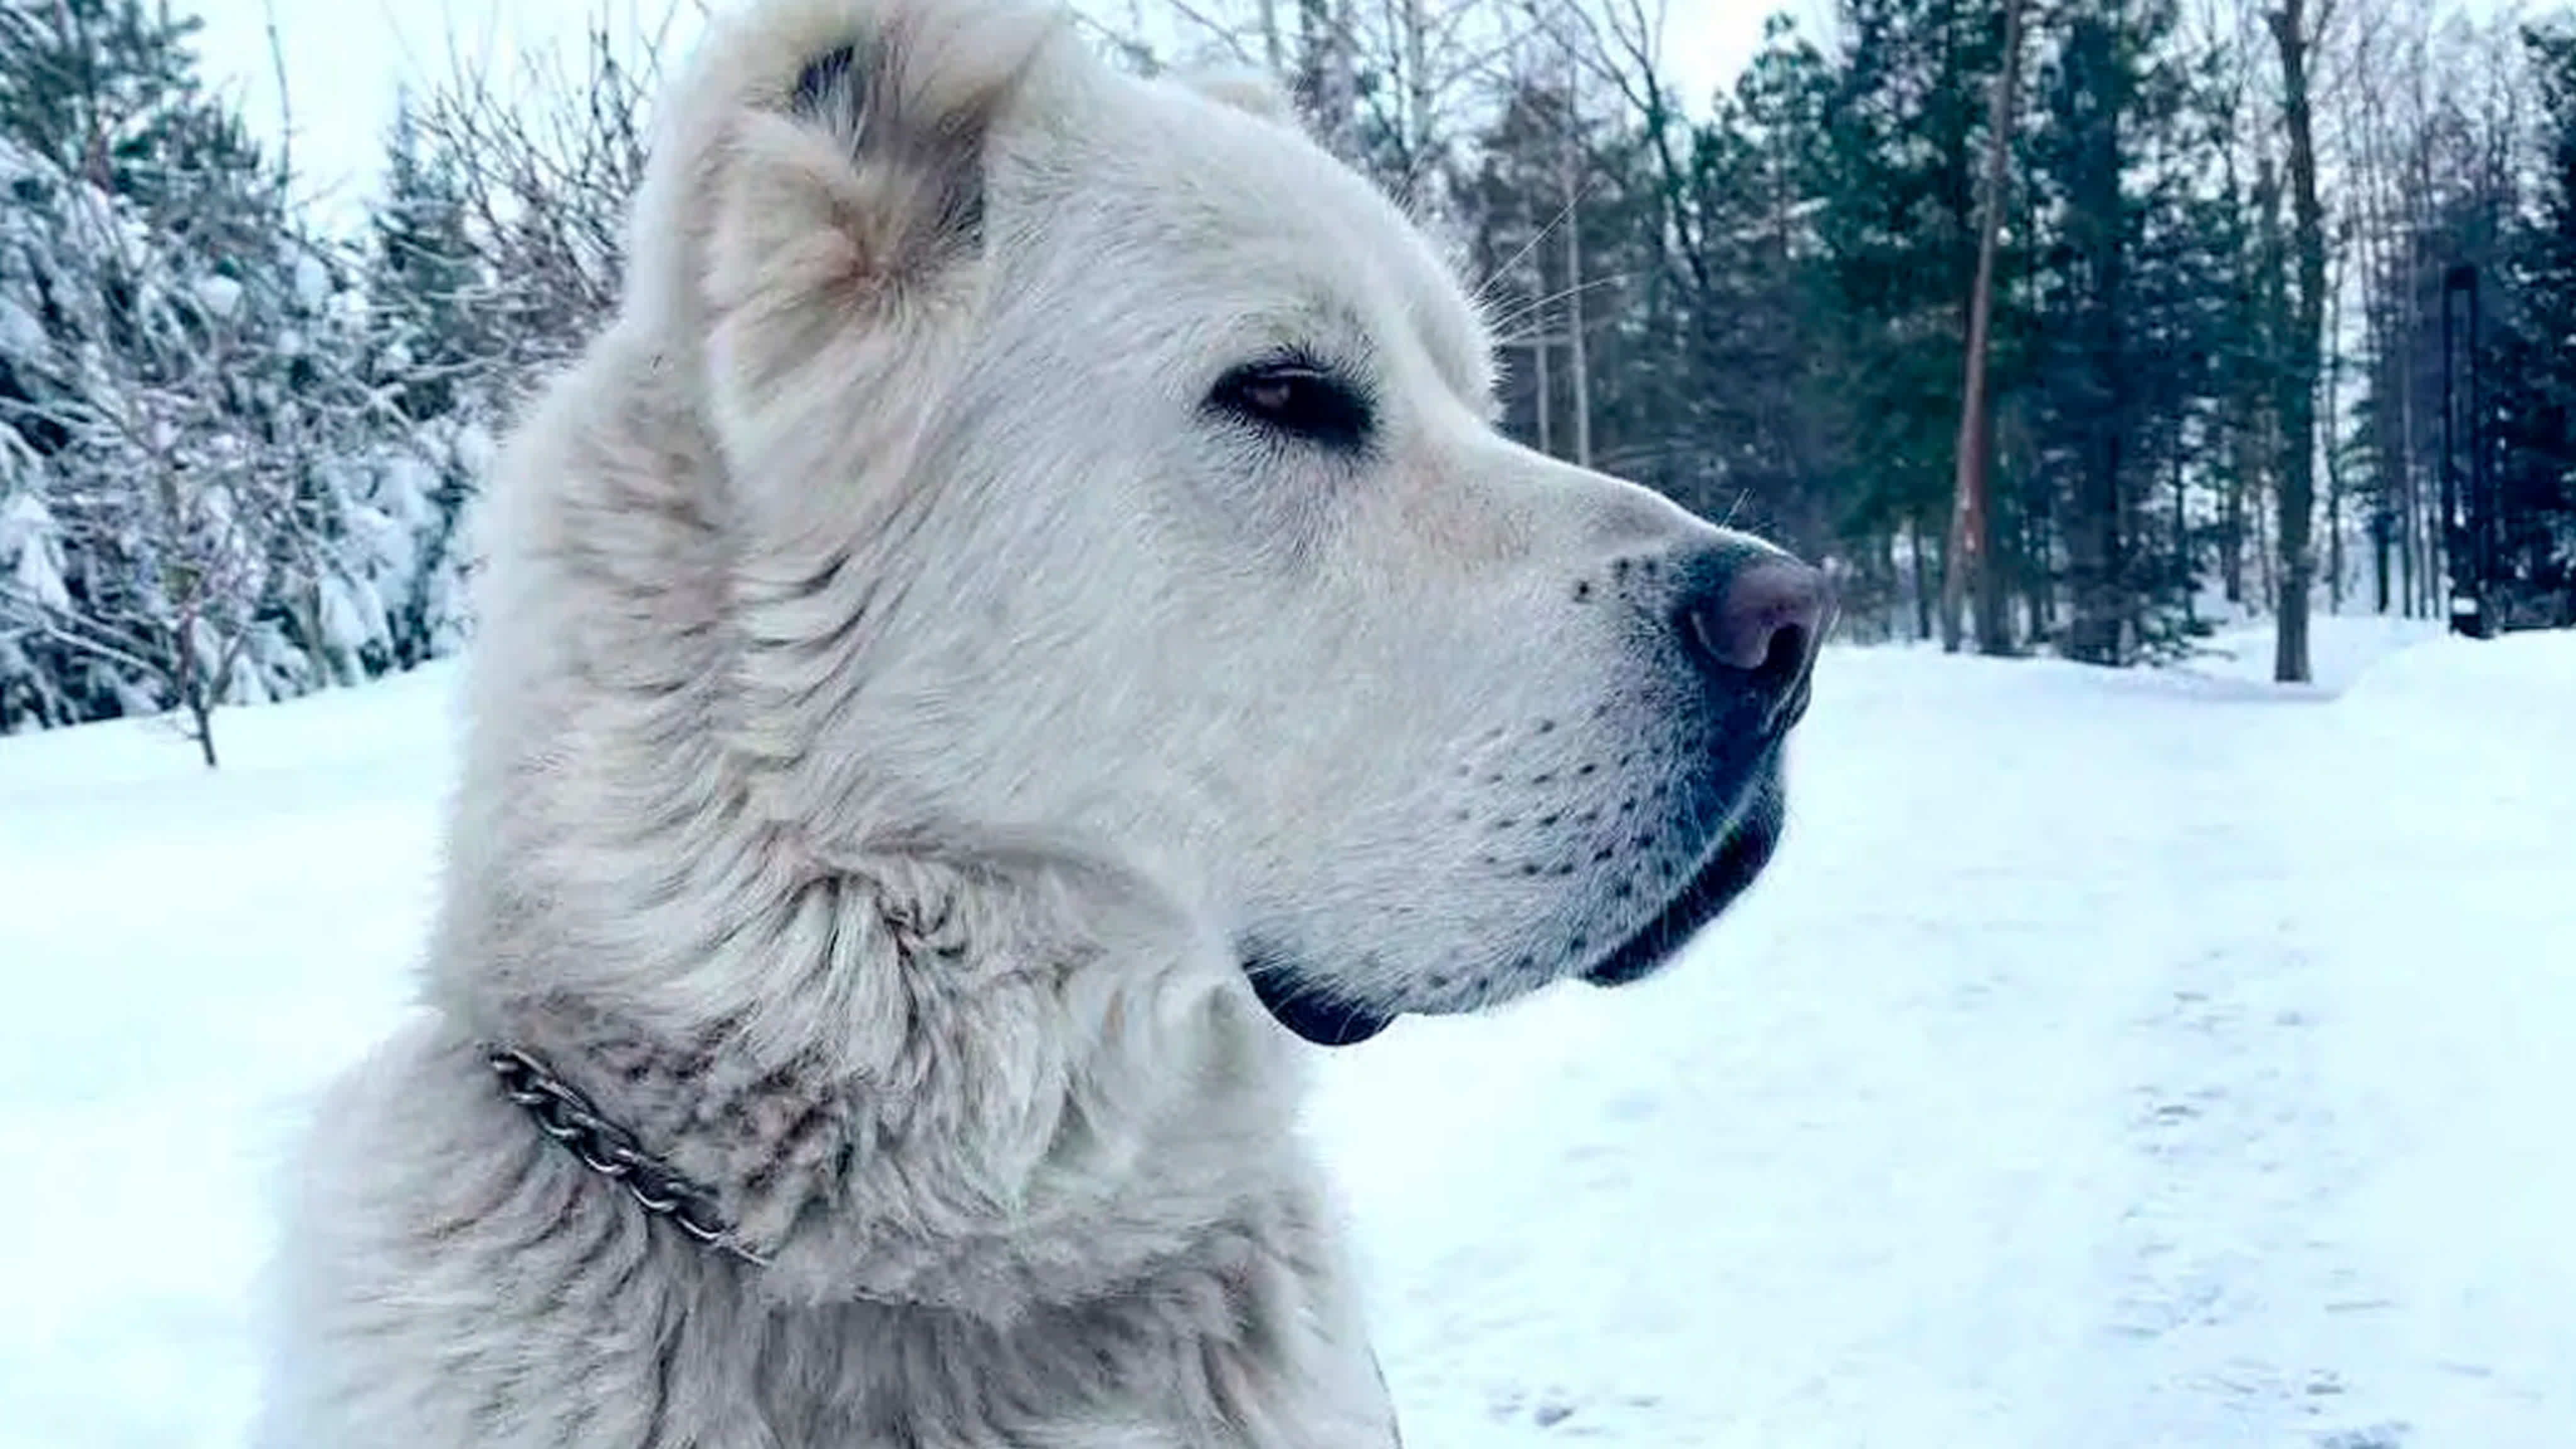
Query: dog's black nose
point(1754, 623)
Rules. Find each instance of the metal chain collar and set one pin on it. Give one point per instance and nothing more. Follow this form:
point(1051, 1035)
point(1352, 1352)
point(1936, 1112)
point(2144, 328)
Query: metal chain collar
point(564, 1114)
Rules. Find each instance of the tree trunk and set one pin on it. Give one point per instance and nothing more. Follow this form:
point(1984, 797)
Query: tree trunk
point(1971, 548)
point(1330, 80)
point(2186, 568)
point(2037, 585)
point(1417, 104)
point(1542, 365)
point(1577, 354)
point(2334, 442)
point(188, 681)
point(2406, 555)
point(2298, 384)
point(2267, 590)
point(2231, 508)
point(2097, 547)
point(1921, 552)
point(1344, 80)
point(201, 716)
point(2381, 524)
point(2100, 539)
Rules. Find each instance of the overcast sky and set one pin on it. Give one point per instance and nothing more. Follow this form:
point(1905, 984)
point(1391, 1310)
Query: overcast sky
point(344, 59)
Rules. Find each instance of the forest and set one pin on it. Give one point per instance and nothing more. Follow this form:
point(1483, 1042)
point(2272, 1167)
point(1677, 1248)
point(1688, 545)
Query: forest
point(2076, 327)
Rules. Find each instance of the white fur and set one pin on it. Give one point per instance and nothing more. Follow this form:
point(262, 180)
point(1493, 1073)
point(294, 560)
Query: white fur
point(898, 702)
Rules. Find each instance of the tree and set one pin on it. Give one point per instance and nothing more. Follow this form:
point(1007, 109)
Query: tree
point(1971, 521)
point(536, 175)
point(2294, 33)
point(2533, 500)
point(429, 359)
point(1910, 88)
point(107, 91)
point(2129, 255)
point(424, 273)
point(1562, 243)
point(177, 396)
point(172, 571)
point(1758, 381)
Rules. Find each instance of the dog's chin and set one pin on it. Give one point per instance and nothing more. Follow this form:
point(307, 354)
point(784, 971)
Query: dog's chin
point(1731, 867)
point(1315, 1017)
point(1735, 859)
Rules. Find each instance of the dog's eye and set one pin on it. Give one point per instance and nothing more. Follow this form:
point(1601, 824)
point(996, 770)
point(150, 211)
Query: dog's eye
point(1297, 399)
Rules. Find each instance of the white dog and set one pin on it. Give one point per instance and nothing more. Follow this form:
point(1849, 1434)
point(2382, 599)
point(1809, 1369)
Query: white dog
point(1024, 603)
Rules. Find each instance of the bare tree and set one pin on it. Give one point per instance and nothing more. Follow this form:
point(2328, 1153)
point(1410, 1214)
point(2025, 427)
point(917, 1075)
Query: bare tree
point(1578, 359)
point(544, 165)
point(2430, 117)
point(2386, 70)
point(1619, 43)
point(1389, 85)
point(2295, 30)
point(2330, 398)
point(186, 505)
point(1971, 522)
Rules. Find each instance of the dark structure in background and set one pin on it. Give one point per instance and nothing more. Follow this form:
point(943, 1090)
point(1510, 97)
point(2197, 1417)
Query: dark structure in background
point(2468, 507)
point(2508, 442)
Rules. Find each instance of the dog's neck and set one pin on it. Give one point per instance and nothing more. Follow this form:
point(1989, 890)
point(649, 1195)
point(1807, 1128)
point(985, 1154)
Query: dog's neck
point(565, 1114)
point(960, 1077)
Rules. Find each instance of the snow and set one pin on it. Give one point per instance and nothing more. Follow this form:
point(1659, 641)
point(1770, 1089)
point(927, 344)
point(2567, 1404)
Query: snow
point(221, 296)
point(28, 552)
point(348, 622)
point(21, 333)
point(2120, 1060)
point(312, 282)
point(476, 450)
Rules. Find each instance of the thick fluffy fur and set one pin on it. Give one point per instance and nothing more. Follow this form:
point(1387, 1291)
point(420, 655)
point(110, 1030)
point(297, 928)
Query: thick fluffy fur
point(905, 704)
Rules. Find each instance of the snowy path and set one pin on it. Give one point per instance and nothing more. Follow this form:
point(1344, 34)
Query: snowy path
point(2054, 1093)
point(2110, 1061)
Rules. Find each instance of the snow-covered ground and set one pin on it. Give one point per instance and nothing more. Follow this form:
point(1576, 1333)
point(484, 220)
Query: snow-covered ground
point(2110, 1060)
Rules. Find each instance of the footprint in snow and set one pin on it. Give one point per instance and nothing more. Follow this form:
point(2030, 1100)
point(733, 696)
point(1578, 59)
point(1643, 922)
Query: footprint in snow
point(2390, 1435)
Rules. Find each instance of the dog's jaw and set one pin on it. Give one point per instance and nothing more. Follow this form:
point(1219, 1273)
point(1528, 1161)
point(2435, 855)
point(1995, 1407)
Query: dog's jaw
point(1309, 1014)
point(1732, 858)
point(1730, 869)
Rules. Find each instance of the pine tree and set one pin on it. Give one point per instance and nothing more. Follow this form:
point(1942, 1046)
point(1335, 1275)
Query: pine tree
point(1897, 220)
point(1756, 386)
point(430, 358)
point(2125, 269)
point(2532, 501)
point(423, 275)
point(107, 91)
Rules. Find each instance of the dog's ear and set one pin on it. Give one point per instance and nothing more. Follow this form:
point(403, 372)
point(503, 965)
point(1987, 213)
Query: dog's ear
point(864, 168)
point(825, 179)
point(1246, 90)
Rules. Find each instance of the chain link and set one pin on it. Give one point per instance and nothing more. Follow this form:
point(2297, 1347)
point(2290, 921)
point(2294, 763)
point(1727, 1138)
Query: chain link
point(564, 1114)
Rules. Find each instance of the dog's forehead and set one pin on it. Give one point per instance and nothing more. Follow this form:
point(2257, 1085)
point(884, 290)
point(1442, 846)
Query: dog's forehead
point(1246, 206)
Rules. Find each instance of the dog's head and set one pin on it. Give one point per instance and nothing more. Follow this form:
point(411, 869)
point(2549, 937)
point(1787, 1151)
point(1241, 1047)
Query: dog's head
point(1112, 472)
